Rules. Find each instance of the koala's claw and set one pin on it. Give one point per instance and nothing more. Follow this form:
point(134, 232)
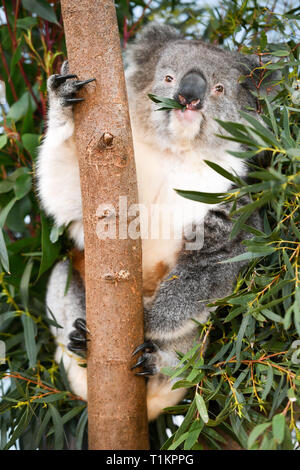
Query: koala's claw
point(78, 346)
point(73, 100)
point(140, 361)
point(80, 324)
point(62, 78)
point(146, 373)
point(78, 339)
point(148, 368)
point(148, 346)
point(147, 360)
point(80, 84)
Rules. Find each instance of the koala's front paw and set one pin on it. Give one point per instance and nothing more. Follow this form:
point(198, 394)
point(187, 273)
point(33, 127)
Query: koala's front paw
point(148, 361)
point(64, 89)
point(78, 339)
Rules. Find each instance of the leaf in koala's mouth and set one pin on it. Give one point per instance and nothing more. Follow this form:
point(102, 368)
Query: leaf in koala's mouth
point(167, 103)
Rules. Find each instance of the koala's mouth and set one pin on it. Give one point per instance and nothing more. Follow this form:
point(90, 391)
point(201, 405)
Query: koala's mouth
point(188, 116)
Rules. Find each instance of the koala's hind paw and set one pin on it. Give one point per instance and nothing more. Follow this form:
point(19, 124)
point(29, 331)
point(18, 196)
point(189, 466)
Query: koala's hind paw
point(64, 89)
point(78, 339)
point(148, 360)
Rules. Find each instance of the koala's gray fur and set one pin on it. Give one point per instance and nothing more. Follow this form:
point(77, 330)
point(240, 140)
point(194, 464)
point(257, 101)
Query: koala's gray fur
point(197, 278)
point(170, 149)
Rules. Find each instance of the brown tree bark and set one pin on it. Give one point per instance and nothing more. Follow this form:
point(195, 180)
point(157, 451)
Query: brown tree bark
point(116, 398)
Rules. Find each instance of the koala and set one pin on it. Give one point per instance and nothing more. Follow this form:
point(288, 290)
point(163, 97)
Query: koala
point(179, 277)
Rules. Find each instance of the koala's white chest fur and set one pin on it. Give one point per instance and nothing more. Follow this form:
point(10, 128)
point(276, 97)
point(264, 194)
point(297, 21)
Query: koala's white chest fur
point(159, 172)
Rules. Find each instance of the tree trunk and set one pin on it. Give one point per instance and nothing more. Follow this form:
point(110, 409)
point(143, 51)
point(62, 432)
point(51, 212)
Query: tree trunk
point(116, 398)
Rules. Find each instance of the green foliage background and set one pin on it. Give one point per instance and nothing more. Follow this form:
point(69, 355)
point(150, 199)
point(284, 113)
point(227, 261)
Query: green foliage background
point(246, 386)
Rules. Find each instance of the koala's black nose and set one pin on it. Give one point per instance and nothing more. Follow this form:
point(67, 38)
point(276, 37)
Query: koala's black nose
point(192, 89)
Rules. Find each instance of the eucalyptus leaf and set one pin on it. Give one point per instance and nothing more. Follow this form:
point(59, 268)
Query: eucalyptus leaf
point(201, 407)
point(41, 8)
point(29, 336)
point(167, 103)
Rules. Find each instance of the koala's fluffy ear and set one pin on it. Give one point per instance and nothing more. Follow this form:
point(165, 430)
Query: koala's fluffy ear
point(151, 38)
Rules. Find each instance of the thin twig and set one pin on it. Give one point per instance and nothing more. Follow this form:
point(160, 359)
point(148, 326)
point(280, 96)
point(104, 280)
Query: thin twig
point(41, 385)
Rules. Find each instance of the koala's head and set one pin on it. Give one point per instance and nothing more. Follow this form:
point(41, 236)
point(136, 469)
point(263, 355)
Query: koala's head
point(202, 77)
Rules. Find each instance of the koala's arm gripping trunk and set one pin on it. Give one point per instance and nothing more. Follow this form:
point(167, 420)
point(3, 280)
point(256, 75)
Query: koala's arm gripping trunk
point(116, 398)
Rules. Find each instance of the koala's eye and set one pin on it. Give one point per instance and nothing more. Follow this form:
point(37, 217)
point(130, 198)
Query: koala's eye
point(169, 78)
point(218, 89)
